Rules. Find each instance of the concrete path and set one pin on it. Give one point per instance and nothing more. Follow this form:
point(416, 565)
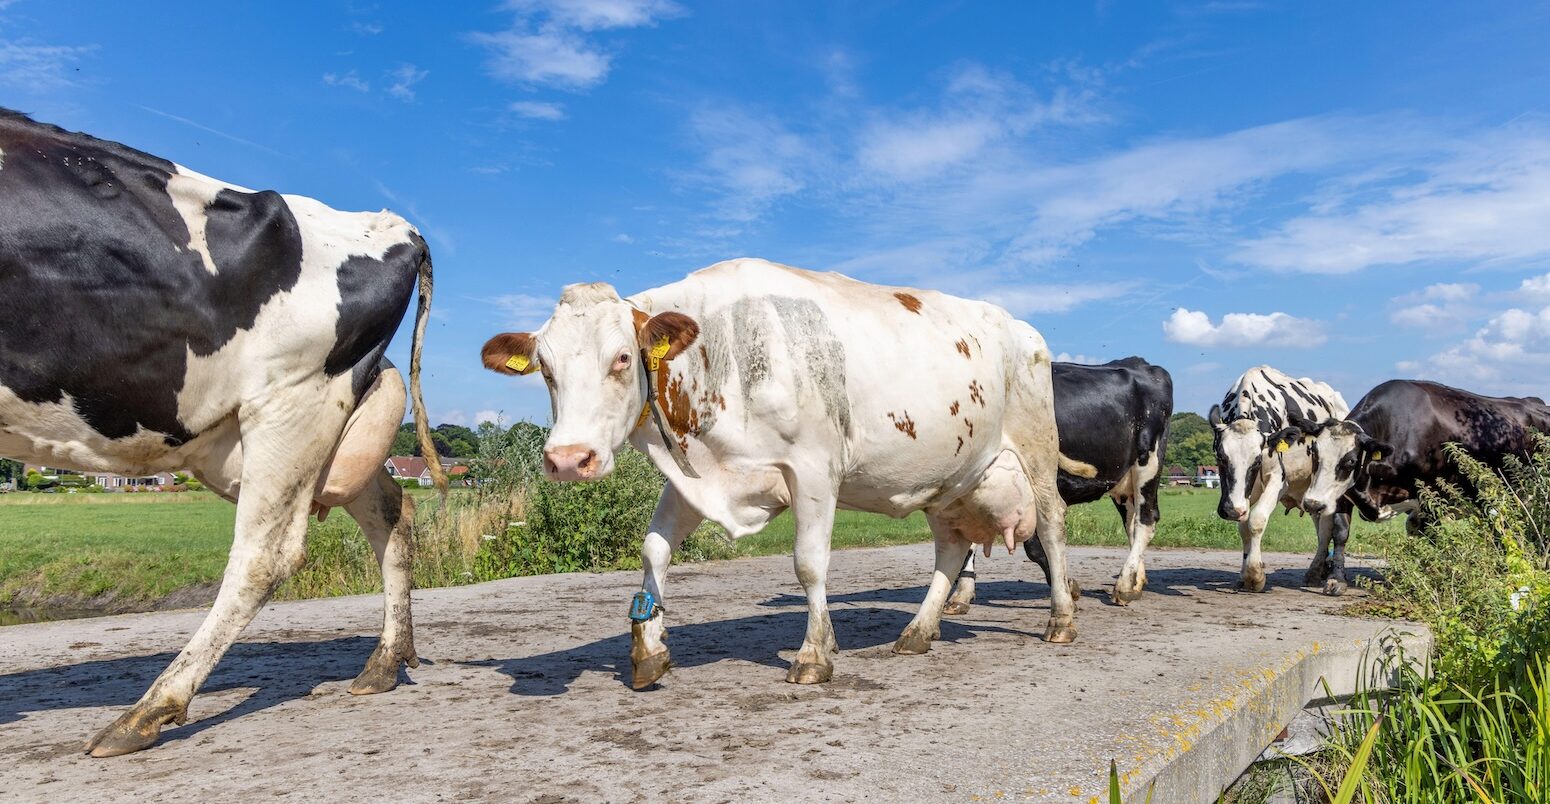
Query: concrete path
point(522, 695)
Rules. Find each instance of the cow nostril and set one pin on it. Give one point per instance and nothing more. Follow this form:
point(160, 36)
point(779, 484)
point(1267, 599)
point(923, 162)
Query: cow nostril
point(586, 460)
point(549, 465)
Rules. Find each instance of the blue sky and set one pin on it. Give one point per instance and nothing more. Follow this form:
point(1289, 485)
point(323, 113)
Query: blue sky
point(1349, 191)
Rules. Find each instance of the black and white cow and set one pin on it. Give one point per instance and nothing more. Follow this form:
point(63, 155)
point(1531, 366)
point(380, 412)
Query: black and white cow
point(1113, 418)
point(1259, 470)
point(154, 319)
point(1376, 458)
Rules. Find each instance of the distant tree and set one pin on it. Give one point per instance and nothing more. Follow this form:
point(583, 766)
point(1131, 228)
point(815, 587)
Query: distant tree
point(11, 471)
point(1190, 441)
point(404, 442)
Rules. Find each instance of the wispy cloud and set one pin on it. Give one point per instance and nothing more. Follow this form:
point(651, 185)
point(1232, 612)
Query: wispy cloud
point(349, 80)
point(35, 68)
point(1478, 200)
point(538, 110)
point(750, 159)
point(522, 311)
point(367, 28)
point(202, 127)
point(1243, 329)
point(402, 79)
point(549, 43)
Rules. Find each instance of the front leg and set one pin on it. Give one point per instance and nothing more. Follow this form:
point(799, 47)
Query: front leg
point(1339, 532)
point(1318, 569)
point(814, 515)
point(674, 519)
point(1252, 532)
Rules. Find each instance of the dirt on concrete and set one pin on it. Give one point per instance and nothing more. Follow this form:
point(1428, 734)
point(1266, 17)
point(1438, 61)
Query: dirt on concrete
point(523, 691)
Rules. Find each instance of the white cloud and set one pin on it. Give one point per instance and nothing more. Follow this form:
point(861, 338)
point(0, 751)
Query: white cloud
point(1067, 357)
point(1509, 355)
point(752, 160)
point(38, 68)
point(349, 80)
point(524, 312)
point(547, 46)
point(367, 28)
point(1025, 300)
point(622, 238)
point(491, 416)
point(1484, 200)
point(1243, 329)
point(593, 15)
point(538, 110)
point(402, 80)
point(1437, 307)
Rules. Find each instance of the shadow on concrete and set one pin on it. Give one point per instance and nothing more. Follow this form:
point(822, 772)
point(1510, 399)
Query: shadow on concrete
point(757, 639)
point(280, 672)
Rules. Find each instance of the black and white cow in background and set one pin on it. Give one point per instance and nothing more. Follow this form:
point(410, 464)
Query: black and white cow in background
point(1377, 457)
point(1114, 418)
point(154, 319)
point(1259, 470)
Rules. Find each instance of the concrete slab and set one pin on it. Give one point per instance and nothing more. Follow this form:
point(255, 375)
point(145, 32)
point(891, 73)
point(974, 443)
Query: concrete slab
point(523, 693)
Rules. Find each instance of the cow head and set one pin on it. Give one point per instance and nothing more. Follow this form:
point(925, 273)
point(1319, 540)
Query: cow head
point(589, 353)
point(1239, 454)
point(1344, 457)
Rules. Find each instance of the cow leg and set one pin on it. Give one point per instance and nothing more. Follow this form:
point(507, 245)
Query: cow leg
point(386, 516)
point(1035, 553)
point(1140, 514)
point(1052, 537)
point(1318, 569)
point(1252, 531)
point(1339, 532)
point(963, 593)
point(927, 625)
point(283, 457)
point(814, 530)
point(673, 520)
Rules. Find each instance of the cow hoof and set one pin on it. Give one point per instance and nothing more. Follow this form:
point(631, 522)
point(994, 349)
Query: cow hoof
point(956, 607)
point(912, 643)
point(809, 673)
point(1252, 583)
point(135, 730)
point(1060, 634)
point(381, 672)
point(1334, 587)
point(1124, 597)
point(650, 670)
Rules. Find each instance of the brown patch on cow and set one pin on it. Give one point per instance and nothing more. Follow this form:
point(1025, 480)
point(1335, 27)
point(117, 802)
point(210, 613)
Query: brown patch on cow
point(960, 446)
point(641, 317)
point(977, 392)
point(910, 302)
point(970, 425)
point(678, 411)
point(963, 348)
point(903, 424)
point(501, 348)
point(953, 411)
point(705, 355)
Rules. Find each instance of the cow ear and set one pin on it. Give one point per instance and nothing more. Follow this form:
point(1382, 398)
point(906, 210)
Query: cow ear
point(510, 353)
point(665, 335)
point(1283, 440)
point(1374, 453)
point(1215, 417)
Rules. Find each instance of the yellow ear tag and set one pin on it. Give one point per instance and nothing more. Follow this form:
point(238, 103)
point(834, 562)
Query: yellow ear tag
point(658, 351)
point(518, 363)
point(1282, 446)
point(1377, 456)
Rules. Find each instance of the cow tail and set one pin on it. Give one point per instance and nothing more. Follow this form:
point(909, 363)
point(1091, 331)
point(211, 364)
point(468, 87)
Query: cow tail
point(422, 428)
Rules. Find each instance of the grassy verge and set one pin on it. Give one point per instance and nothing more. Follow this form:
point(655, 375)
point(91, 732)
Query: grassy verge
point(120, 551)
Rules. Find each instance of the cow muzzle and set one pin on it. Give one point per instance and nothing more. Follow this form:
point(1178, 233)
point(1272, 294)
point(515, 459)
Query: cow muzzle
point(572, 462)
point(1232, 513)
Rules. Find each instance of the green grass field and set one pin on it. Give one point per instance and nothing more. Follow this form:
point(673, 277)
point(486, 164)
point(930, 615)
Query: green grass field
point(139, 548)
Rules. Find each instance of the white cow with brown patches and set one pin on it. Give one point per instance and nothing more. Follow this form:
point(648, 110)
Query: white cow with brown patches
point(777, 388)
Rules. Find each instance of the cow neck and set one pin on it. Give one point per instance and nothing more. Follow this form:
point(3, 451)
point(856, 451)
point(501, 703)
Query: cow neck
point(650, 407)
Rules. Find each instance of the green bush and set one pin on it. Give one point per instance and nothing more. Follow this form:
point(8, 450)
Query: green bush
point(407, 482)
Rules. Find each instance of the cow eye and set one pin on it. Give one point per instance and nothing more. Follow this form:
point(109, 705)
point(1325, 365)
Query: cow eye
point(622, 361)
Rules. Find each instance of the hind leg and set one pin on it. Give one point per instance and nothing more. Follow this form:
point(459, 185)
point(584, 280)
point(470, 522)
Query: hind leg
point(963, 593)
point(927, 625)
point(386, 515)
point(284, 451)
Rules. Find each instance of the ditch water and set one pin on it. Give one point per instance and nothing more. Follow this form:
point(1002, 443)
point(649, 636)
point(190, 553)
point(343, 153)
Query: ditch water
point(43, 615)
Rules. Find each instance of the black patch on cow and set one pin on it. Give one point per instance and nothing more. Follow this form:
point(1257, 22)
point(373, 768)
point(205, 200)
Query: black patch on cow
point(1113, 417)
point(99, 298)
point(373, 297)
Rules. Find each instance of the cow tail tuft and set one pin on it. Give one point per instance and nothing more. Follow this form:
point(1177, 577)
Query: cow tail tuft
point(422, 428)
